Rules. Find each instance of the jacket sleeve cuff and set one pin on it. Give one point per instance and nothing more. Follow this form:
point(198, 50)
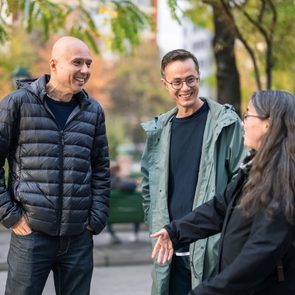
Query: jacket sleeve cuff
point(172, 236)
point(96, 226)
point(12, 218)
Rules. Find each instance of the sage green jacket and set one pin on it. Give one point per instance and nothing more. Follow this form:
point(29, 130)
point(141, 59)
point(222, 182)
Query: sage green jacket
point(222, 153)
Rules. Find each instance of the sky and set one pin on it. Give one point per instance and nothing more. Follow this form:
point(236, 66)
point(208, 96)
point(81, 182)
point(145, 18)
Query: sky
point(169, 31)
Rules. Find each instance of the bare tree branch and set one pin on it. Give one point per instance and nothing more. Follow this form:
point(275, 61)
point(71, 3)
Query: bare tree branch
point(245, 43)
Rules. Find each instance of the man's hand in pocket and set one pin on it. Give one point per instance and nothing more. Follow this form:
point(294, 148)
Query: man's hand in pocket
point(21, 227)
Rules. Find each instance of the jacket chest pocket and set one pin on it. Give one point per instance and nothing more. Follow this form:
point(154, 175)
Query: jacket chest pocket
point(153, 139)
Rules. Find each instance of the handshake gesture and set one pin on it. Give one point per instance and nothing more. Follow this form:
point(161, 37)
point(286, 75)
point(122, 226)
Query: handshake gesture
point(163, 247)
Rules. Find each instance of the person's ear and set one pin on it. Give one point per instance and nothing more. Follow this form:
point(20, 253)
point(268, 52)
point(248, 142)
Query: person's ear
point(267, 123)
point(52, 64)
point(164, 83)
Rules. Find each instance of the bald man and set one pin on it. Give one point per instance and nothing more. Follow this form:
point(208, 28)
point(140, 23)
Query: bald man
point(52, 134)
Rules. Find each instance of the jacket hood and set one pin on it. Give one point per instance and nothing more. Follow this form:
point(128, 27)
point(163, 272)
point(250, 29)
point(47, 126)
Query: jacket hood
point(37, 87)
point(224, 114)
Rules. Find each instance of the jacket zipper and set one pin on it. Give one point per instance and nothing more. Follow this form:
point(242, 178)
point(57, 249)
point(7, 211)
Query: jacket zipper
point(61, 163)
point(61, 174)
point(61, 170)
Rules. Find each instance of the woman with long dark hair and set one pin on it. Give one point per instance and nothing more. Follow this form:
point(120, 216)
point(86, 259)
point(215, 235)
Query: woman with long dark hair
point(255, 214)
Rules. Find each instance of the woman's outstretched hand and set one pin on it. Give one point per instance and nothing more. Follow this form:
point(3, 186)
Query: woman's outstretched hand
point(163, 247)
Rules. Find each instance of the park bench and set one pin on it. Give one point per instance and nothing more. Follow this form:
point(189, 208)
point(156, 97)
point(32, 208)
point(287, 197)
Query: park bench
point(125, 207)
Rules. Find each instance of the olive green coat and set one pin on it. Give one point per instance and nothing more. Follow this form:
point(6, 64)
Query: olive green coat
point(222, 153)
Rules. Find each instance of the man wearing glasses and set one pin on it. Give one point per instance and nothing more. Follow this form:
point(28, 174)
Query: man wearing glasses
point(191, 152)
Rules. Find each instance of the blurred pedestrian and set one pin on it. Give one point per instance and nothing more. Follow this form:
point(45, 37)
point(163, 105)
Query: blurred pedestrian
point(20, 73)
point(52, 134)
point(191, 152)
point(255, 214)
point(126, 185)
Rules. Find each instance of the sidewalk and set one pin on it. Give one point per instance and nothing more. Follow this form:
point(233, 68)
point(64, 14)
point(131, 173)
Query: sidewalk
point(105, 253)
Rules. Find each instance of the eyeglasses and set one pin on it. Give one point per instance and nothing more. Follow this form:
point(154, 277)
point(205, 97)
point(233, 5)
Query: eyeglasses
point(246, 115)
point(190, 81)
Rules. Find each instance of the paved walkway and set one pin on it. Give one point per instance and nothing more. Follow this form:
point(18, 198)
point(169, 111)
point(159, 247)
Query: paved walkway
point(105, 253)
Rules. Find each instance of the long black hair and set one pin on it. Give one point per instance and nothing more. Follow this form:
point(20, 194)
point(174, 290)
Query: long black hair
point(271, 182)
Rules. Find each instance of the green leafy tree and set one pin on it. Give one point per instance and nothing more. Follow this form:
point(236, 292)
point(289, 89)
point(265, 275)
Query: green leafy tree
point(125, 20)
point(260, 26)
point(116, 133)
point(14, 55)
point(136, 90)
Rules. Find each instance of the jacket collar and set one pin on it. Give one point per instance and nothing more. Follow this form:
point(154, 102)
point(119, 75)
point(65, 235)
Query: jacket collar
point(247, 162)
point(37, 87)
point(219, 113)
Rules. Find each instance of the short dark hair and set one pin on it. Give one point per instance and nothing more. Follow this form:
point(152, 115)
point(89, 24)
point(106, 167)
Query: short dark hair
point(177, 54)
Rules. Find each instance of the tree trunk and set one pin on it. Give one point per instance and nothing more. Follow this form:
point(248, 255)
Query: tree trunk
point(228, 78)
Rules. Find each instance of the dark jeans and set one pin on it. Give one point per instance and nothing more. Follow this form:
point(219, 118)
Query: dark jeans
point(180, 276)
point(32, 257)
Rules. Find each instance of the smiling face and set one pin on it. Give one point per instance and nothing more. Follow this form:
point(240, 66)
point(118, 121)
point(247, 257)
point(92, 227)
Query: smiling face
point(70, 66)
point(255, 127)
point(186, 98)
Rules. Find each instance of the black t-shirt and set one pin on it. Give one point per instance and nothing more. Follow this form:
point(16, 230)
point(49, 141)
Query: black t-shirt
point(61, 110)
point(184, 160)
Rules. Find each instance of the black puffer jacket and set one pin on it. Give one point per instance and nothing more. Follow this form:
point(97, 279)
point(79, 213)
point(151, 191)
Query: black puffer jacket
point(58, 179)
